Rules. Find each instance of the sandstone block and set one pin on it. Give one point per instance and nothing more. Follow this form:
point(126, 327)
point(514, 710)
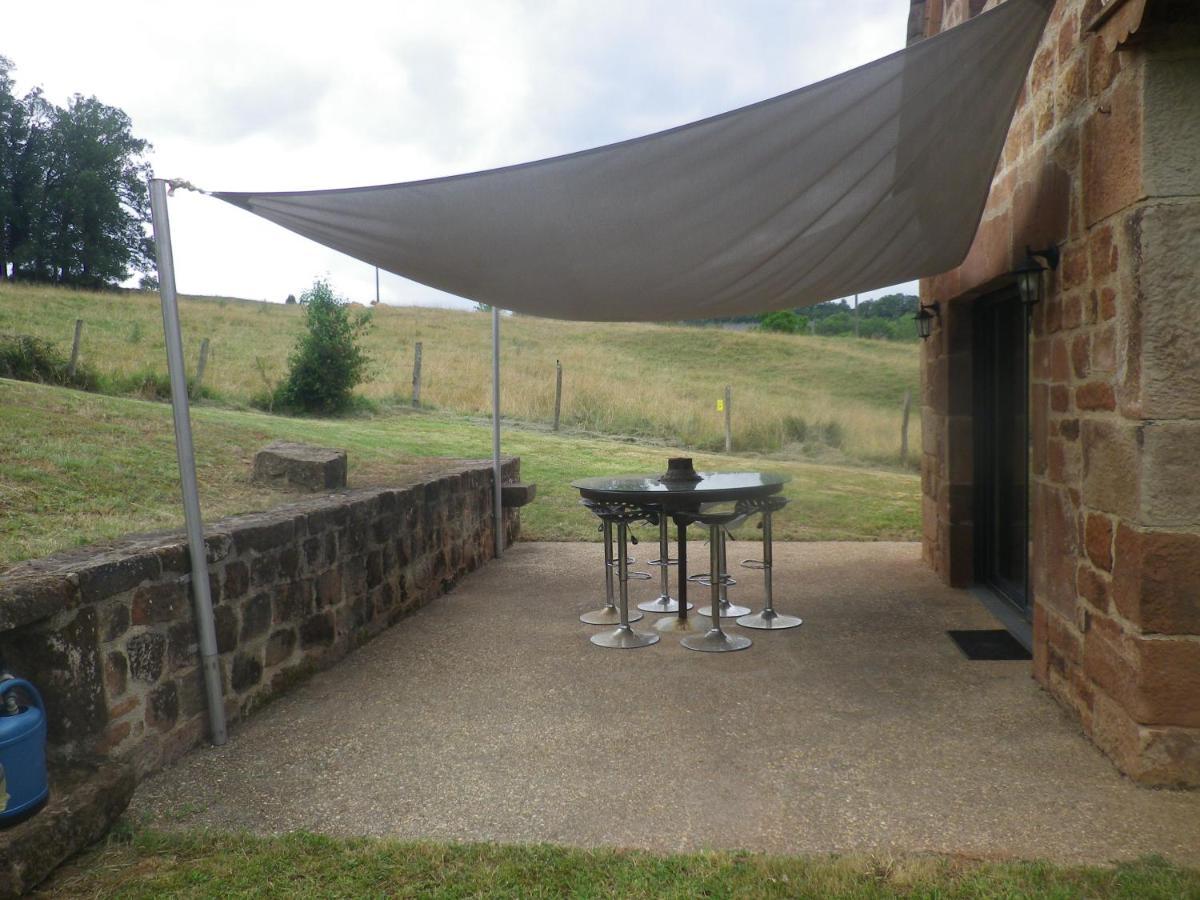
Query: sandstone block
point(300, 466)
point(1167, 241)
point(162, 706)
point(1170, 488)
point(1168, 682)
point(1110, 468)
point(1098, 537)
point(146, 653)
point(1112, 153)
point(84, 803)
point(1156, 580)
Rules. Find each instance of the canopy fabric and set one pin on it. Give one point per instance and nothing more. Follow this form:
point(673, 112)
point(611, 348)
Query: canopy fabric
point(871, 178)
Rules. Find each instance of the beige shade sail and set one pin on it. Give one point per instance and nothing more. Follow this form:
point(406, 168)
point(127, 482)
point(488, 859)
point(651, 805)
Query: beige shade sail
point(871, 178)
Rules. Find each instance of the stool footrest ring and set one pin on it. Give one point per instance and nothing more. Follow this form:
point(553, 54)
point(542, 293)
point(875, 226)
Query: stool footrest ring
point(705, 579)
point(757, 564)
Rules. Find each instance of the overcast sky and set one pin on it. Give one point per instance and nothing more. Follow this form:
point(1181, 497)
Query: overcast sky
point(253, 95)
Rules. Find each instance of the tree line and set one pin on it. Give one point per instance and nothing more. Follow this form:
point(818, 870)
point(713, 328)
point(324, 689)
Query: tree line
point(889, 317)
point(74, 204)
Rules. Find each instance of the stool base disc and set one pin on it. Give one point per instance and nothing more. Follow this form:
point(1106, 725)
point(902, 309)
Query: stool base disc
point(607, 615)
point(662, 604)
point(624, 638)
point(728, 611)
point(676, 625)
point(714, 641)
point(770, 622)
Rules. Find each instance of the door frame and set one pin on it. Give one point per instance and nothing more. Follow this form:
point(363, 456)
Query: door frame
point(1017, 619)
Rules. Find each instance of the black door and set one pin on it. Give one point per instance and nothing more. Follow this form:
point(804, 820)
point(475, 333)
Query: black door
point(1002, 448)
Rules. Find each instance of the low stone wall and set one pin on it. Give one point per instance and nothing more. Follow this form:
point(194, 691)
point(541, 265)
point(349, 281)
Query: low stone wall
point(109, 637)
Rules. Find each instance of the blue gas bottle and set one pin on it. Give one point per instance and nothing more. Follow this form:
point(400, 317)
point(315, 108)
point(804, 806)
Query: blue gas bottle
point(23, 782)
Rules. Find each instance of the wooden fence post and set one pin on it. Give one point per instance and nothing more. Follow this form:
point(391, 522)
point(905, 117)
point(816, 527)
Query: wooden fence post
point(557, 391)
point(75, 349)
point(416, 390)
point(201, 365)
point(904, 428)
point(728, 420)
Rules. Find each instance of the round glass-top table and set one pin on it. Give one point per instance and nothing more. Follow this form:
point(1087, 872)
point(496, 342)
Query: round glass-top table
point(680, 496)
point(676, 499)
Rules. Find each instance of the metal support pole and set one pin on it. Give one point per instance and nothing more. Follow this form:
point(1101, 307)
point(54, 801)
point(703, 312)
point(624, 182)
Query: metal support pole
point(187, 461)
point(728, 418)
point(499, 509)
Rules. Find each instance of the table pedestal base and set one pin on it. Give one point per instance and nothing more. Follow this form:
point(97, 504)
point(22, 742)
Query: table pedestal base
point(606, 615)
point(676, 625)
point(624, 638)
point(728, 610)
point(661, 604)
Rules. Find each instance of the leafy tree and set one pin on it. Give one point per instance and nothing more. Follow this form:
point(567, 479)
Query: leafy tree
point(328, 361)
point(73, 198)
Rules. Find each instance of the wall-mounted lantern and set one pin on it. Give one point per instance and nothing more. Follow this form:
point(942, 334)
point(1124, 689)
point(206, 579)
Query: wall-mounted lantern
point(1029, 273)
point(925, 316)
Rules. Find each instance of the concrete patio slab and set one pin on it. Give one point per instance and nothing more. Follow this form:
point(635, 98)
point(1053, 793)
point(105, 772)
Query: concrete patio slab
point(489, 716)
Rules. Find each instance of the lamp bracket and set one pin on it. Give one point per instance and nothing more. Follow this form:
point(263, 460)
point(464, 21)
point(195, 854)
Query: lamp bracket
point(1050, 254)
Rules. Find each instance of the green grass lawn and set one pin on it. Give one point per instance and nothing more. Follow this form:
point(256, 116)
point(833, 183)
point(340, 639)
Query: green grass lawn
point(76, 468)
point(194, 864)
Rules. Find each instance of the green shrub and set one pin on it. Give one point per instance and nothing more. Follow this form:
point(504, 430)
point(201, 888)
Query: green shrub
point(328, 361)
point(27, 358)
point(784, 321)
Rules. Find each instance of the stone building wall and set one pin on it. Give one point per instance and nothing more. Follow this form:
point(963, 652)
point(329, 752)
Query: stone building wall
point(1103, 161)
point(108, 634)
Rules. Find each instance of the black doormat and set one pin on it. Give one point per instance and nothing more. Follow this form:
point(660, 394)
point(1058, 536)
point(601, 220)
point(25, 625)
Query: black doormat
point(989, 643)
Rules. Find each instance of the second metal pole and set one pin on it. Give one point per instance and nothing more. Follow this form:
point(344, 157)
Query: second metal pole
point(187, 462)
point(496, 475)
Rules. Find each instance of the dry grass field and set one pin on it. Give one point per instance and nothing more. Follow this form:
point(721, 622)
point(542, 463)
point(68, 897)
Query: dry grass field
point(830, 399)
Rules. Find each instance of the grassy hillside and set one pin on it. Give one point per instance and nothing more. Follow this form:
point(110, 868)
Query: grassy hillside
point(824, 398)
point(76, 468)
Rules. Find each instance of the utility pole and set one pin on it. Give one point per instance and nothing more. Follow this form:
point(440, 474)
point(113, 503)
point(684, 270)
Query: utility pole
point(856, 315)
point(377, 285)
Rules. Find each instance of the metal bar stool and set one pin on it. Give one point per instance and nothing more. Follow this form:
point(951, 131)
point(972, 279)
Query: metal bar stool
point(767, 619)
point(664, 602)
point(728, 610)
point(608, 614)
point(715, 640)
point(623, 637)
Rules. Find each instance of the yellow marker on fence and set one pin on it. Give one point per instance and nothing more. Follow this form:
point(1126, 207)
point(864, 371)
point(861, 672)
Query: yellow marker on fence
point(720, 405)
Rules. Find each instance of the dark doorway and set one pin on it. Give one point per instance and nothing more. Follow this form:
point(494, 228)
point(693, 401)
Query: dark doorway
point(1001, 374)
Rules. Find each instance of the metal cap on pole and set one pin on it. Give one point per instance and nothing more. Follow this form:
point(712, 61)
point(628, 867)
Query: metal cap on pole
point(201, 594)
